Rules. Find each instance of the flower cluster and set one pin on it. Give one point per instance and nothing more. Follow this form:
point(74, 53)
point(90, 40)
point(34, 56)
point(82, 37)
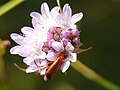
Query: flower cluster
point(52, 33)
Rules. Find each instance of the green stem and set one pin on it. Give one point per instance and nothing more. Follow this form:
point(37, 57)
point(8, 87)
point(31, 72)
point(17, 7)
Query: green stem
point(93, 76)
point(9, 5)
point(4, 84)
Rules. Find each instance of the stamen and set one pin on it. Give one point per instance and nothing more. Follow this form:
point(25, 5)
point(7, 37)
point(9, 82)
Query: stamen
point(58, 2)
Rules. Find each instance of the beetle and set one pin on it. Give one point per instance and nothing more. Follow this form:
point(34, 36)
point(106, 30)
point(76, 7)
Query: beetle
point(54, 67)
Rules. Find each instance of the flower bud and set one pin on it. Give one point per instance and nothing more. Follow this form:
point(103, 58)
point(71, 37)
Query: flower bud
point(49, 36)
point(75, 32)
point(76, 41)
point(53, 30)
point(65, 41)
point(50, 42)
point(65, 34)
point(56, 36)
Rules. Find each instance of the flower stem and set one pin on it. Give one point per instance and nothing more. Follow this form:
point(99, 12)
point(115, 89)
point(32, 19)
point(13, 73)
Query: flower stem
point(93, 76)
point(3, 76)
point(9, 5)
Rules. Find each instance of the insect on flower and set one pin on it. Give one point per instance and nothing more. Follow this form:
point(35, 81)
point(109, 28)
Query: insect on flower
point(54, 31)
point(54, 67)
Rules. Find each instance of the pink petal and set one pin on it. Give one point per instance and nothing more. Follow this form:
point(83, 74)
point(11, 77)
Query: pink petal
point(69, 47)
point(59, 20)
point(44, 63)
point(67, 12)
point(17, 38)
point(73, 27)
point(45, 10)
point(65, 9)
point(35, 15)
point(57, 46)
point(25, 51)
point(39, 62)
point(76, 17)
point(43, 71)
point(39, 44)
point(65, 66)
point(28, 60)
point(49, 36)
point(73, 57)
point(27, 30)
point(32, 69)
point(43, 55)
point(15, 50)
point(37, 19)
point(55, 11)
point(34, 23)
point(52, 56)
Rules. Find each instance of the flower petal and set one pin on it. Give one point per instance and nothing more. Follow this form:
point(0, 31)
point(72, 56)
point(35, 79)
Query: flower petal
point(52, 56)
point(73, 26)
point(34, 23)
point(57, 46)
point(73, 57)
point(40, 34)
point(67, 12)
point(37, 19)
point(28, 60)
point(15, 50)
point(65, 66)
point(27, 30)
point(39, 44)
point(26, 51)
point(55, 11)
point(17, 38)
point(45, 10)
point(43, 55)
point(44, 63)
point(31, 69)
point(43, 71)
point(76, 17)
point(35, 15)
point(69, 47)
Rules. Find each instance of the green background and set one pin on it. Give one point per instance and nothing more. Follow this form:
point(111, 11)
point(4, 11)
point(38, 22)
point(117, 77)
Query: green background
point(100, 28)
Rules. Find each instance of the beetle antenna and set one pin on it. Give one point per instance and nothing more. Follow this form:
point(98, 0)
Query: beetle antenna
point(58, 2)
point(17, 66)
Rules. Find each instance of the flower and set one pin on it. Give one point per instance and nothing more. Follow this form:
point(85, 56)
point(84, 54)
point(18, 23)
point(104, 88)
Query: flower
point(37, 65)
point(66, 20)
point(53, 33)
point(70, 56)
point(30, 47)
point(47, 18)
point(29, 44)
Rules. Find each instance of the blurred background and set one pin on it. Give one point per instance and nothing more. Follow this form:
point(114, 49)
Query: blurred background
point(100, 28)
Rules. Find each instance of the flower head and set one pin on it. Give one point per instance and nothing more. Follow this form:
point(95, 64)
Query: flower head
point(52, 33)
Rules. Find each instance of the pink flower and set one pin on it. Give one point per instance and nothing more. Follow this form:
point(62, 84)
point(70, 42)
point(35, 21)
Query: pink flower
point(37, 65)
point(67, 20)
point(68, 49)
point(47, 18)
point(31, 43)
point(52, 34)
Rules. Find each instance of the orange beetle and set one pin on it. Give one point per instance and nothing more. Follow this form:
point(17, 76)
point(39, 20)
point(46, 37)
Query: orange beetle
point(54, 67)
